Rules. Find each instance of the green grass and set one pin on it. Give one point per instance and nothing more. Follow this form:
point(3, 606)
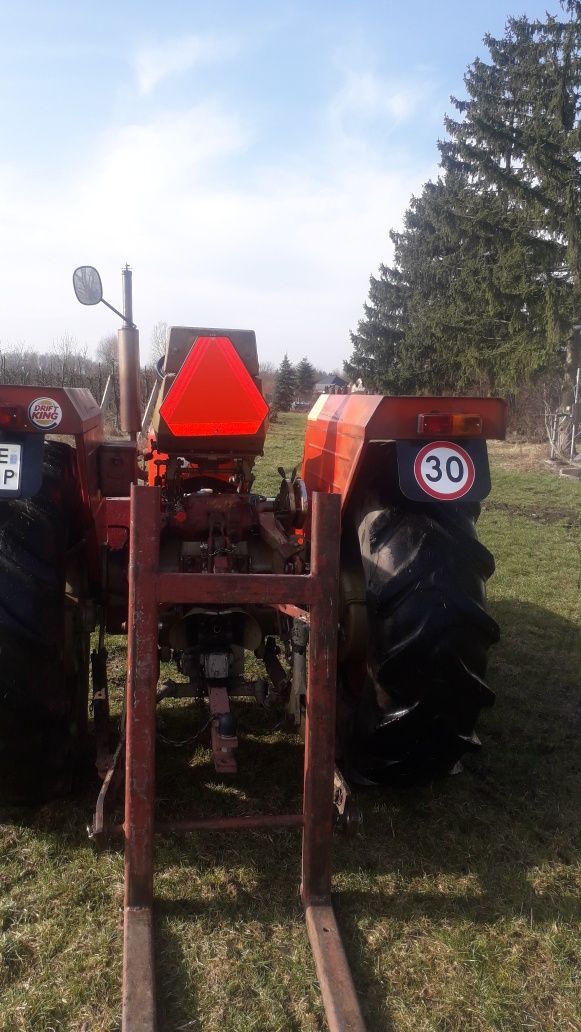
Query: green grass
point(284, 447)
point(460, 902)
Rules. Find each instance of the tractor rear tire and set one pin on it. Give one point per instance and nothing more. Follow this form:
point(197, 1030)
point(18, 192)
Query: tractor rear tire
point(424, 575)
point(42, 692)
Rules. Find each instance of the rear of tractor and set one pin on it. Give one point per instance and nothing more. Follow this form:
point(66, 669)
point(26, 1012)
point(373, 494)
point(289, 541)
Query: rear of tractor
point(360, 588)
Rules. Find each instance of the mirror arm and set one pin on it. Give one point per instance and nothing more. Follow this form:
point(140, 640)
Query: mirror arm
point(120, 314)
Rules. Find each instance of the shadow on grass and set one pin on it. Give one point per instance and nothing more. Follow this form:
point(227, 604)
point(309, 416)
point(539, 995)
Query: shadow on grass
point(489, 846)
point(497, 844)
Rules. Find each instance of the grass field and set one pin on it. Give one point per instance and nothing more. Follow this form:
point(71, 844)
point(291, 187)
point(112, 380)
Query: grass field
point(460, 902)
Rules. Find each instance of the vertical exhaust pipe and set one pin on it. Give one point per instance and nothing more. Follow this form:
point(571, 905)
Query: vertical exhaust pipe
point(129, 369)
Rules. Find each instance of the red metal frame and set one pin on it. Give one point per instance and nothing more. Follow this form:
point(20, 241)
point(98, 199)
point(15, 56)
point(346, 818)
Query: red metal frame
point(319, 591)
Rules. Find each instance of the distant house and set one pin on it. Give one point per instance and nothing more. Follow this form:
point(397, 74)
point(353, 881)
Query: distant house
point(331, 385)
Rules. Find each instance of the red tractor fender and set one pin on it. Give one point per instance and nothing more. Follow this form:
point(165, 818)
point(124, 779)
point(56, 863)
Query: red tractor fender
point(341, 428)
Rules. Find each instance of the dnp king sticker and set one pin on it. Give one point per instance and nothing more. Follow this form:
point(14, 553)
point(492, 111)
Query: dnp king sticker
point(45, 413)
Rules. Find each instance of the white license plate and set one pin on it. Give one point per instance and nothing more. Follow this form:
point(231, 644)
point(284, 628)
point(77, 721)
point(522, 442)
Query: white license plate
point(10, 465)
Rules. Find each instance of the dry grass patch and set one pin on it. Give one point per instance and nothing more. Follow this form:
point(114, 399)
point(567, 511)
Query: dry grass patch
point(519, 456)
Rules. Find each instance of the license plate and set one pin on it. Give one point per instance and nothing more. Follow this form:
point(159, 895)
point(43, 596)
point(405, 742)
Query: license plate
point(10, 466)
point(443, 471)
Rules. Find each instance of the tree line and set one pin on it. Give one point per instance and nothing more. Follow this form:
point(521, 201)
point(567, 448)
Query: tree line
point(289, 384)
point(68, 364)
point(484, 291)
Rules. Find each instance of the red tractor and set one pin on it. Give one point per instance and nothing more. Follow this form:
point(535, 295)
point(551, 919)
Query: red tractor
point(364, 571)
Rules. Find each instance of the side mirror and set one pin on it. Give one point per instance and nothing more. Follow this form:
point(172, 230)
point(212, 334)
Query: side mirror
point(87, 285)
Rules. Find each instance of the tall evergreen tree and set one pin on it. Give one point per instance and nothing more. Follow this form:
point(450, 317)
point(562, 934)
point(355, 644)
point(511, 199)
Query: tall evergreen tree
point(380, 336)
point(485, 282)
point(519, 134)
point(469, 303)
point(485, 291)
point(306, 377)
point(285, 386)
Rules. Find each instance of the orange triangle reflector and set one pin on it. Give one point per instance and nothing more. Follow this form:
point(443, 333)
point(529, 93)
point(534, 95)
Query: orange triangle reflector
point(213, 394)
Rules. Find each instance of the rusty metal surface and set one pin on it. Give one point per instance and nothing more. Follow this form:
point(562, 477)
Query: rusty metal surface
point(295, 612)
point(142, 672)
point(262, 588)
point(334, 976)
point(138, 971)
point(223, 749)
point(320, 715)
point(101, 827)
point(117, 512)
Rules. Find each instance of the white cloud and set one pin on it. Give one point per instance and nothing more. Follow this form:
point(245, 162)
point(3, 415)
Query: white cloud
point(286, 249)
point(155, 62)
point(150, 162)
point(366, 95)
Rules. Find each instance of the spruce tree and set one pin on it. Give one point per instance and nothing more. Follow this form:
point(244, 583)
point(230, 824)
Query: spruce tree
point(485, 283)
point(285, 386)
point(380, 336)
point(519, 133)
point(486, 292)
point(305, 378)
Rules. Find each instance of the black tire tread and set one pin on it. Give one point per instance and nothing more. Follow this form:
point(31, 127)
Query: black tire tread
point(36, 750)
point(429, 634)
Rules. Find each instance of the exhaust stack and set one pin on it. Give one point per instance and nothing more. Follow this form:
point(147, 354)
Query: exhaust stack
point(89, 291)
point(129, 370)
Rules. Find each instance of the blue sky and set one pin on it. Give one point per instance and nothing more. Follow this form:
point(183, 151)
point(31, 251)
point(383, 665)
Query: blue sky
point(246, 159)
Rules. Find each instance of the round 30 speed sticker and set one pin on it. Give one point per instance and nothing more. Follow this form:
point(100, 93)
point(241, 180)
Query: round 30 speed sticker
point(444, 470)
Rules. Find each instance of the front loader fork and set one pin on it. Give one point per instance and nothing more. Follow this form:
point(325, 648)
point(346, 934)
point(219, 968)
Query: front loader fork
point(148, 588)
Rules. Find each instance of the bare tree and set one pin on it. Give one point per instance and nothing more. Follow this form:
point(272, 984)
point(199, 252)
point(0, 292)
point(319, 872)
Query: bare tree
point(107, 356)
point(267, 373)
point(65, 349)
point(107, 352)
point(158, 341)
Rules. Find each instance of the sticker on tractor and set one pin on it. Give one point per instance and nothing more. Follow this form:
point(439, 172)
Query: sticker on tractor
point(443, 470)
point(45, 413)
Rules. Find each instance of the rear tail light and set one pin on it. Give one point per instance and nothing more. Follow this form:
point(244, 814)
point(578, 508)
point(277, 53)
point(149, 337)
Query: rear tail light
point(11, 417)
point(454, 424)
